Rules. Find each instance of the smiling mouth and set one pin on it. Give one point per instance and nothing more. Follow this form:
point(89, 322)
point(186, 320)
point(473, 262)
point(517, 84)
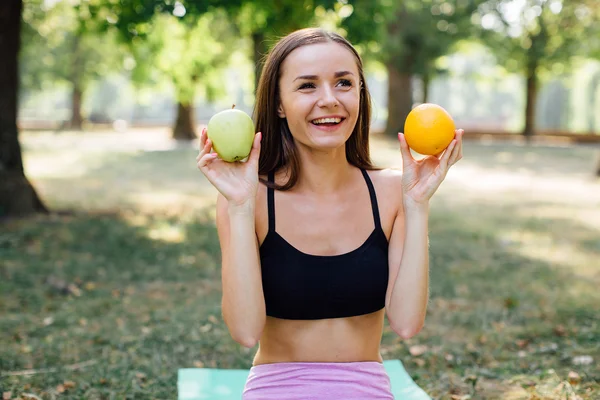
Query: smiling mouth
point(327, 121)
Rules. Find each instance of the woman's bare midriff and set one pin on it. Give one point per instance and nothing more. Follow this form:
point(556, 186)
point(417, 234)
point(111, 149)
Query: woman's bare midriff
point(349, 339)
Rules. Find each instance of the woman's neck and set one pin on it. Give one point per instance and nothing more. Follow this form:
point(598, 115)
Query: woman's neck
point(323, 172)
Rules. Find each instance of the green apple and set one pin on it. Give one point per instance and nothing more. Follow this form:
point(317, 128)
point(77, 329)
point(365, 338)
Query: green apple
point(232, 134)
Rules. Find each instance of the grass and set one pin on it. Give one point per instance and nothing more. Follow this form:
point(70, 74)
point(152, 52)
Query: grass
point(109, 299)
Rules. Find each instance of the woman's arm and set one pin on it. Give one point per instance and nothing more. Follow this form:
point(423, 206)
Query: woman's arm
point(243, 303)
point(408, 289)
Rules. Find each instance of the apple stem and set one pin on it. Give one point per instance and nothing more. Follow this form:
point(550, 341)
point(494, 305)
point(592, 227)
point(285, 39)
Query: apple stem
point(233, 106)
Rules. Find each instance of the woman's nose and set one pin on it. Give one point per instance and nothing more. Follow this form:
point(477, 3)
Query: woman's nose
point(328, 98)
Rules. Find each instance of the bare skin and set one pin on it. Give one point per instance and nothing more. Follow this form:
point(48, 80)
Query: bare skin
point(330, 340)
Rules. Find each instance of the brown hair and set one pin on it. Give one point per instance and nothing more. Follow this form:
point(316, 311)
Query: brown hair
point(277, 145)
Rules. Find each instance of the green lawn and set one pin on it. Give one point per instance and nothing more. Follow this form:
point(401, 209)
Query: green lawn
point(107, 299)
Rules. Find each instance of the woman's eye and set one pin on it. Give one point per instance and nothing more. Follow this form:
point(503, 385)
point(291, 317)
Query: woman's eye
point(345, 82)
point(307, 85)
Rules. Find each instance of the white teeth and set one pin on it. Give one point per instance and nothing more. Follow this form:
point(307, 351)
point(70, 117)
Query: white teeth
point(327, 121)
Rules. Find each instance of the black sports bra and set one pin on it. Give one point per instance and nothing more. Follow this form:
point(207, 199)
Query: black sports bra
point(302, 286)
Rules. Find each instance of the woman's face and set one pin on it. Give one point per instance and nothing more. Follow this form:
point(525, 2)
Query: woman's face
point(320, 94)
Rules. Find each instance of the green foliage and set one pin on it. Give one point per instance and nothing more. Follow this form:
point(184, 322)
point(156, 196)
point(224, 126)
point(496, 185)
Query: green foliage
point(273, 19)
point(129, 18)
point(538, 33)
point(190, 53)
point(31, 65)
point(61, 44)
point(411, 34)
point(186, 42)
point(134, 18)
point(279, 17)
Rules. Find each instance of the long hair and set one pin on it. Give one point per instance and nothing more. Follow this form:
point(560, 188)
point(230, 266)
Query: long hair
point(277, 145)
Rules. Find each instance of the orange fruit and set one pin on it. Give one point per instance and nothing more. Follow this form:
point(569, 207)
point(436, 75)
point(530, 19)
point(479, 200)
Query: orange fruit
point(428, 129)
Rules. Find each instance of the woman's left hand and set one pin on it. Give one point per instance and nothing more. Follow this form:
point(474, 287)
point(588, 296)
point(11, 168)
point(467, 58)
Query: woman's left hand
point(421, 178)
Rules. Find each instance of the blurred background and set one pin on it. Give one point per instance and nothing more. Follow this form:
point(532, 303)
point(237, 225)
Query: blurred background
point(109, 260)
point(500, 66)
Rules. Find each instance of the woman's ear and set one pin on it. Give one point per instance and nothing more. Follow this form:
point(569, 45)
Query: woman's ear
point(280, 111)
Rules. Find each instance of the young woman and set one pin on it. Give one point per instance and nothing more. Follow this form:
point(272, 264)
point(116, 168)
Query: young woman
point(318, 245)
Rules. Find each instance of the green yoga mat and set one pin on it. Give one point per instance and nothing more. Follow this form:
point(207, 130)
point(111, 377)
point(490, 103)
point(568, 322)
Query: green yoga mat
point(228, 384)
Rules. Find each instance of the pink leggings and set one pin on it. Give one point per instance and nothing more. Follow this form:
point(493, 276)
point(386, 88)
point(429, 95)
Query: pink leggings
point(366, 380)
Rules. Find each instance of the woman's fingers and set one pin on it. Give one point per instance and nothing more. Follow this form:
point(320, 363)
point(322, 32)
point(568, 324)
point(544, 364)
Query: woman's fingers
point(444, 160)
point(407, 157)
point(460, 144)
point(457, 152)
point(201, 143)
point(203, 137)
point(205, 147)
point(206, 159)
point(255, 152)
point(205, 156)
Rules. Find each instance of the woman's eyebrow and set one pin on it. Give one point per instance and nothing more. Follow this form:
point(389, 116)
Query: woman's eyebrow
point(315, 77)
point(342, 73)
point(307, 77)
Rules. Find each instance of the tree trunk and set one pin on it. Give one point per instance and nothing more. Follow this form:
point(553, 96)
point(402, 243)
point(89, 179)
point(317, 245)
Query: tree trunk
point(259, 52)
point(76, 122)
point(400, 99)
point(529, 129)
point(592, 116)
point(185, 127)
point(76, 118)
point(426, 81)
point(17, 196)
point(592, 101)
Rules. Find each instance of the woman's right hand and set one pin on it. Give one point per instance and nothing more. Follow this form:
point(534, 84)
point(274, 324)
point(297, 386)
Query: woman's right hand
point(236, 181)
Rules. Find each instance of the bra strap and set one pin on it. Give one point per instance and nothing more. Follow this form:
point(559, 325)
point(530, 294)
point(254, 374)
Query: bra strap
point(373, 196)
point(271, 202)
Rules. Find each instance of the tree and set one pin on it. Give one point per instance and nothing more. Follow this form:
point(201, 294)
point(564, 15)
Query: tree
point(191, 54)
point(63, 44)
point(408, 37)
point(534, 36)
point(135, 24)
point(17, 195)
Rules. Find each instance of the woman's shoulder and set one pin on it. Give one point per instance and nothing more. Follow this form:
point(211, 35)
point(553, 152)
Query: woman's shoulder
point(388, 189)
point(386, 178)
